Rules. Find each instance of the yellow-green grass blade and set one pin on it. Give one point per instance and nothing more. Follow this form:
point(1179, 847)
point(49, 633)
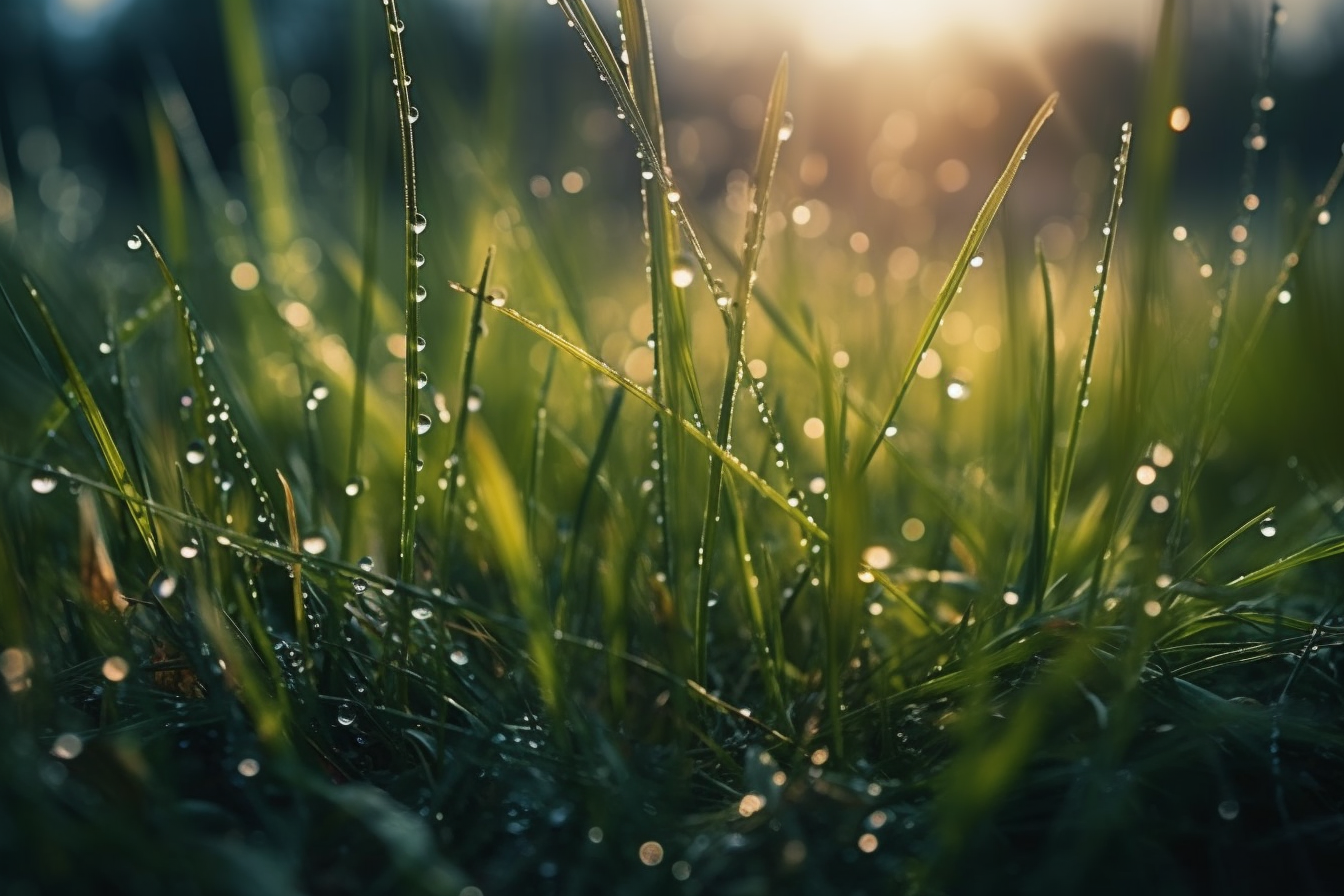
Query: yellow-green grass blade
point(767, 158)
point(503, 513)
point(172, 209)
point(265, 160)
point(296, 569)
point(83, 397)
point(952, 284)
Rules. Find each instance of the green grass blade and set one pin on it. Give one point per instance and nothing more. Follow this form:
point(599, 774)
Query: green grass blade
point(116, 467)
point(767, 158)
point(731, 461)
point(1329, 547)
point(604, 439)
point(1220, 546)
point(1089, 356)
point(1034, 579)
point(457, 457)
point(952, 284)
point(414, 225)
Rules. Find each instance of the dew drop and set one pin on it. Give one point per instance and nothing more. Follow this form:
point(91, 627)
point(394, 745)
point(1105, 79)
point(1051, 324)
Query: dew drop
point(419, 260)
point(497, 296)
point(189, 551)
point(418, 223)
point(475, 397)
point(44, 483)
point(314, 544)
point(423, 423)
point(421, 613)
point(366, 563)
point(419, 343)
point(195, 453)
point(319, 392)
point(345, 715)
point(421, 380)
point(1268, 527)
point(413, 115)
point(421, 293)
point(134, 242)
point(786, 126)
point(359, 585)
point(459, 657)
point(353, 487)
point(683, 274)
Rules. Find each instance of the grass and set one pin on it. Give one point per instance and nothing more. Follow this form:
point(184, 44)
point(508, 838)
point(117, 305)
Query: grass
point(842, 633)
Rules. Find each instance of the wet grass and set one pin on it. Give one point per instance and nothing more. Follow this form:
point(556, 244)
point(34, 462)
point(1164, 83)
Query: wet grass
point(875, 621)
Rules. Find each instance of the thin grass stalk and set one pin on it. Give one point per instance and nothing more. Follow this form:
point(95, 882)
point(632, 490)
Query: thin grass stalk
point(414, 224)
point(1205, 412)
point(952, 284)
point(1089, 356)
point(766, 161)
point(457, 456)
point(599, 456)
point(1034, 578)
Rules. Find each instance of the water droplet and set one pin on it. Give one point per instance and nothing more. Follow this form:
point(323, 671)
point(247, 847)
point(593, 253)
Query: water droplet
point(421, 293)
point(459, 657)
point(413, 115)
point(419, 343)
point(421, 380)
point(786, 126)
point(418, 223)
point(366, 563)
point(475, 397)
point(134, 242)
point(398, 26)
point(1285, 297)
point(977, 261)
point(314, 544)
point(497, 296)
point(345, 715)
point(421, 613)
point(195, 453)
point(359, 585)
point(189, 551)
point(683, 273)
point(419, 260)
point(319, 392)
point(1268, 527)
point(353, 487)
point(1228, 810)
point(44, 483)
point(423, 423)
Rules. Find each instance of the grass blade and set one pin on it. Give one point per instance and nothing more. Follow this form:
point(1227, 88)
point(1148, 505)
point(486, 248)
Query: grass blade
point(1089, 356)
point(116, 467)
point(1034, 580)
point(1329, 547)
point(767, 158)
point(1218, 548)
point(457, 457)
point(730, 460)
point(296, 569)
point(969, 248)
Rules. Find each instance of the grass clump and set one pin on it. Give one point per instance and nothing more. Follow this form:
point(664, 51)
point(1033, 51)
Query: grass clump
point(529, 618)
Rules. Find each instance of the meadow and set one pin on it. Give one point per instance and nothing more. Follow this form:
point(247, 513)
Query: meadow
point(419, 519)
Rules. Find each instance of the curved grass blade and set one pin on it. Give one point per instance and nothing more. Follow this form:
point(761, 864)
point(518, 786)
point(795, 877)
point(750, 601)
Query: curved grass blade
point(296, 569)
point(1218, 548)
point(1089, 356)
point(767, 158)
point(599, 455)
point(1329, 547)
point(954, 277)
point(83, 397)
